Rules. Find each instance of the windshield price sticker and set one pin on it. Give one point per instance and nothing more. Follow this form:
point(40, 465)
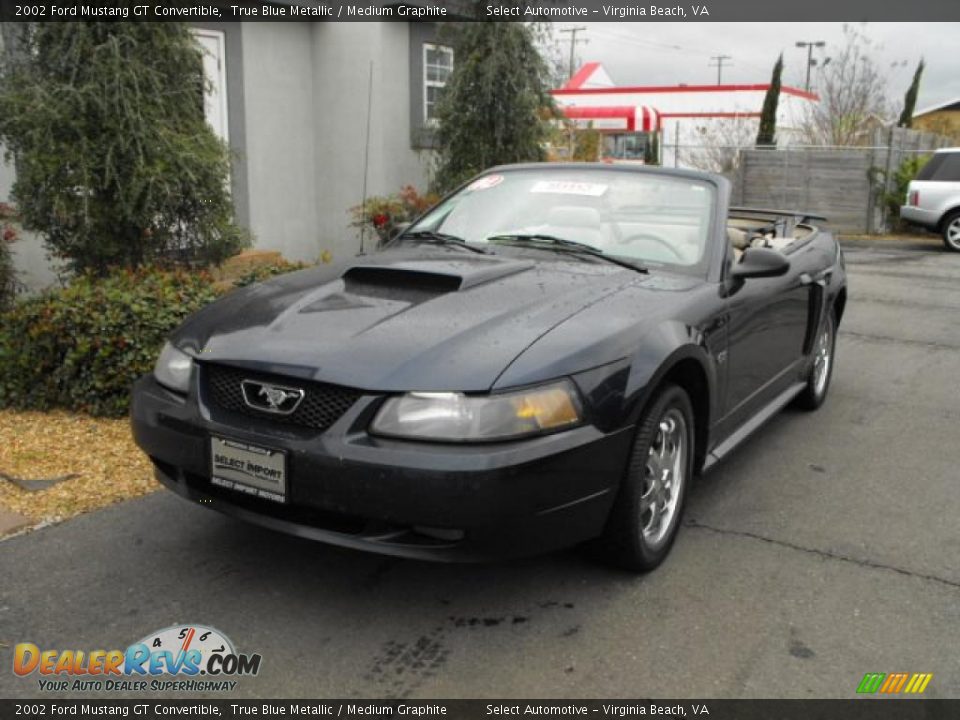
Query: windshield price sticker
point(567, 187)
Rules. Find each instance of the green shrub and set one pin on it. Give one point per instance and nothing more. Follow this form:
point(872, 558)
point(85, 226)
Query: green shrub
point(264, 272)
point(8, 276)
point(81, 347)
point(8, 273)
point(894, 197)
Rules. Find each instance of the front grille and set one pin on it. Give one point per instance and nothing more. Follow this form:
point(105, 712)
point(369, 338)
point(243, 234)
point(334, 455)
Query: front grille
point(321, 407)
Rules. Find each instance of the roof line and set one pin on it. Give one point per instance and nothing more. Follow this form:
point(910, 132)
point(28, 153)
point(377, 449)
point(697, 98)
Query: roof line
point(583, 74)
point(934, 108)
point(684, 88)
point(733, 115)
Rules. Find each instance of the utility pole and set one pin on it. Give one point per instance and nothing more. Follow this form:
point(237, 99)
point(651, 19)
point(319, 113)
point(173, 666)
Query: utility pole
point(719, 65)
point(573, 44)
point(810, 61)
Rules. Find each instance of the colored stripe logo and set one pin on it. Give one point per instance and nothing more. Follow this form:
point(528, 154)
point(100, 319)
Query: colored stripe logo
point(894, 683)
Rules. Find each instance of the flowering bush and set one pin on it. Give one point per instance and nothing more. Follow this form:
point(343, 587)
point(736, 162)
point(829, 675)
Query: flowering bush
point(382, 214)
point(8, 276)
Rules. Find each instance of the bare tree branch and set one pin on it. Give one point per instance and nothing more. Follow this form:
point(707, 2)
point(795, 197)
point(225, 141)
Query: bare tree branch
point(720, 143)
point(853, 96)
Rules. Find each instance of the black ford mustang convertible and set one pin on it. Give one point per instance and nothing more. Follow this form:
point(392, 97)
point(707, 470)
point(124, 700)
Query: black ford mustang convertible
point(546, 357)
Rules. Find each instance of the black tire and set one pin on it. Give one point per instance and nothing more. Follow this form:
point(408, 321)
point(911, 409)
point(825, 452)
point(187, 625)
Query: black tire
point(625, 544)
point(815, 391)
point(951, 231)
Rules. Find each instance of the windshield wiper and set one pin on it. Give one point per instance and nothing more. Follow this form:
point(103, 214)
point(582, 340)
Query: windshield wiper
point(557, 244)
point(436, 238)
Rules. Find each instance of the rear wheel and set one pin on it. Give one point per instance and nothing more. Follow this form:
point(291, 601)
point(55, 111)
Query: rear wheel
point(646, 514)
point(818, 382)
point(951, 231)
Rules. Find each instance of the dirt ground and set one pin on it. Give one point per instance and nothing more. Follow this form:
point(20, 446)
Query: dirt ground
point(54, 465)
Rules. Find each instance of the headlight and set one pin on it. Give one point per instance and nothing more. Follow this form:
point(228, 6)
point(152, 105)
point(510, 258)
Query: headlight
point(173, 369)
point(455, 416)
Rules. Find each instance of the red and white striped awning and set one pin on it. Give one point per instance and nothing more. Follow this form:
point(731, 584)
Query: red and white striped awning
point(629, 118)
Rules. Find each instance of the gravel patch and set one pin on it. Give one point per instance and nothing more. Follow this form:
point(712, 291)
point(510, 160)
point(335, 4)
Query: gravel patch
point(54, 465)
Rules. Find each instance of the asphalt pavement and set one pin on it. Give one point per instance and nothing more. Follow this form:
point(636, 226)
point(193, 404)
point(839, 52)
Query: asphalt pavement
point(826, 547)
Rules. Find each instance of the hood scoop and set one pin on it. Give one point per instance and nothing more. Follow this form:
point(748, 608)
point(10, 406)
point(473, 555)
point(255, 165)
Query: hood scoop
point(426, 277)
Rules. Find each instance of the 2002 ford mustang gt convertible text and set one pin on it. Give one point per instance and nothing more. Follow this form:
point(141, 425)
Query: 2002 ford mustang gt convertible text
point(546, 357)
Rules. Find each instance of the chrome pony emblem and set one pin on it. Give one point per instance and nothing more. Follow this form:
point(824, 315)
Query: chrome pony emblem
point(277, 399)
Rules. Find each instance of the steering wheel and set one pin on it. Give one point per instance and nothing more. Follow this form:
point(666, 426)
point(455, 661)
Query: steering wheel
point(657, 240)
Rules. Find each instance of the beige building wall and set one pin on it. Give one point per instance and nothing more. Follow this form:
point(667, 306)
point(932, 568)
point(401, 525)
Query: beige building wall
point(943, 122)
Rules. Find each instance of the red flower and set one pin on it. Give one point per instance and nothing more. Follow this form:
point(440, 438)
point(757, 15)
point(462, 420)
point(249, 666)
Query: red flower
point(9, 234)
point(380, 220)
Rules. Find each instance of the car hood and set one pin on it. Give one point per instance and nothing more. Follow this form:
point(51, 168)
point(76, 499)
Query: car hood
point(437, 319)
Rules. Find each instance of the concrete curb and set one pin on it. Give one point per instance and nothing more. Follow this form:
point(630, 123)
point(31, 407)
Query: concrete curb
point(11, 522)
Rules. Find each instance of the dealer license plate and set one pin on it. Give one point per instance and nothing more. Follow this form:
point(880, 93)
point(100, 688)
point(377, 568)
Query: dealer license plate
point(249, 469)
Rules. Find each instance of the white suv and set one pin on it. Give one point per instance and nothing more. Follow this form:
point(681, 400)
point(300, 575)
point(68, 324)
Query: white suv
point(933, 198)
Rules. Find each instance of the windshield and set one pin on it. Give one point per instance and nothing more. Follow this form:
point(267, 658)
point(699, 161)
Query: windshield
point(653, 218)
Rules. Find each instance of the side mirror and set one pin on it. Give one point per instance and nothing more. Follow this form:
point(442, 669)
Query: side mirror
point(760, 263)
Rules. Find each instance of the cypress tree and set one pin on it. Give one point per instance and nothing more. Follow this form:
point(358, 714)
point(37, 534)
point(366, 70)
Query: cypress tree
point(767, 135)
point(910, 99)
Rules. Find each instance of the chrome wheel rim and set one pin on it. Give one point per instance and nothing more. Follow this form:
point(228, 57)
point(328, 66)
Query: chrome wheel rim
point(663, 478)
point(953, 233)
point(821, 360)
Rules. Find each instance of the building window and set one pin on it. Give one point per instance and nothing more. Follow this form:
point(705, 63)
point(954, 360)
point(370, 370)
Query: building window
point(437, 66)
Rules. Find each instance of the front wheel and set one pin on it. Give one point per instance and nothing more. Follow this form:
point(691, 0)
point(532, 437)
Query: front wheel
point(818, 381)
point(951, 231)
point(646, 514)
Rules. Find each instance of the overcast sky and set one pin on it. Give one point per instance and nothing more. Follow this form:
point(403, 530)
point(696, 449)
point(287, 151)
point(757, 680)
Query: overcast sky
point(671, 53)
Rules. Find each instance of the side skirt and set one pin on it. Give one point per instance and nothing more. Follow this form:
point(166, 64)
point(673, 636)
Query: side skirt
point(751, 425)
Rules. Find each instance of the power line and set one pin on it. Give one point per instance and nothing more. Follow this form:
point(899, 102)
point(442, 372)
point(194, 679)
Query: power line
point(637, 40)
point(573, 43)
point(719, 66)
point(652, 44)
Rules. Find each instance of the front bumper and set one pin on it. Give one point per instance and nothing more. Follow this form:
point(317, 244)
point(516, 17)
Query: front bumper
point(413, 499)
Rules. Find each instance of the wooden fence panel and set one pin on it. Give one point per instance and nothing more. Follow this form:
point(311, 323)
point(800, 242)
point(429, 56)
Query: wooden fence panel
point(833, 183)
point(844, 184)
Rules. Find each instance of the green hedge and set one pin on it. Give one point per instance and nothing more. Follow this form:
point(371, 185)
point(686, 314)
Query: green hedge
point(265, 272)
point(81, 347)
